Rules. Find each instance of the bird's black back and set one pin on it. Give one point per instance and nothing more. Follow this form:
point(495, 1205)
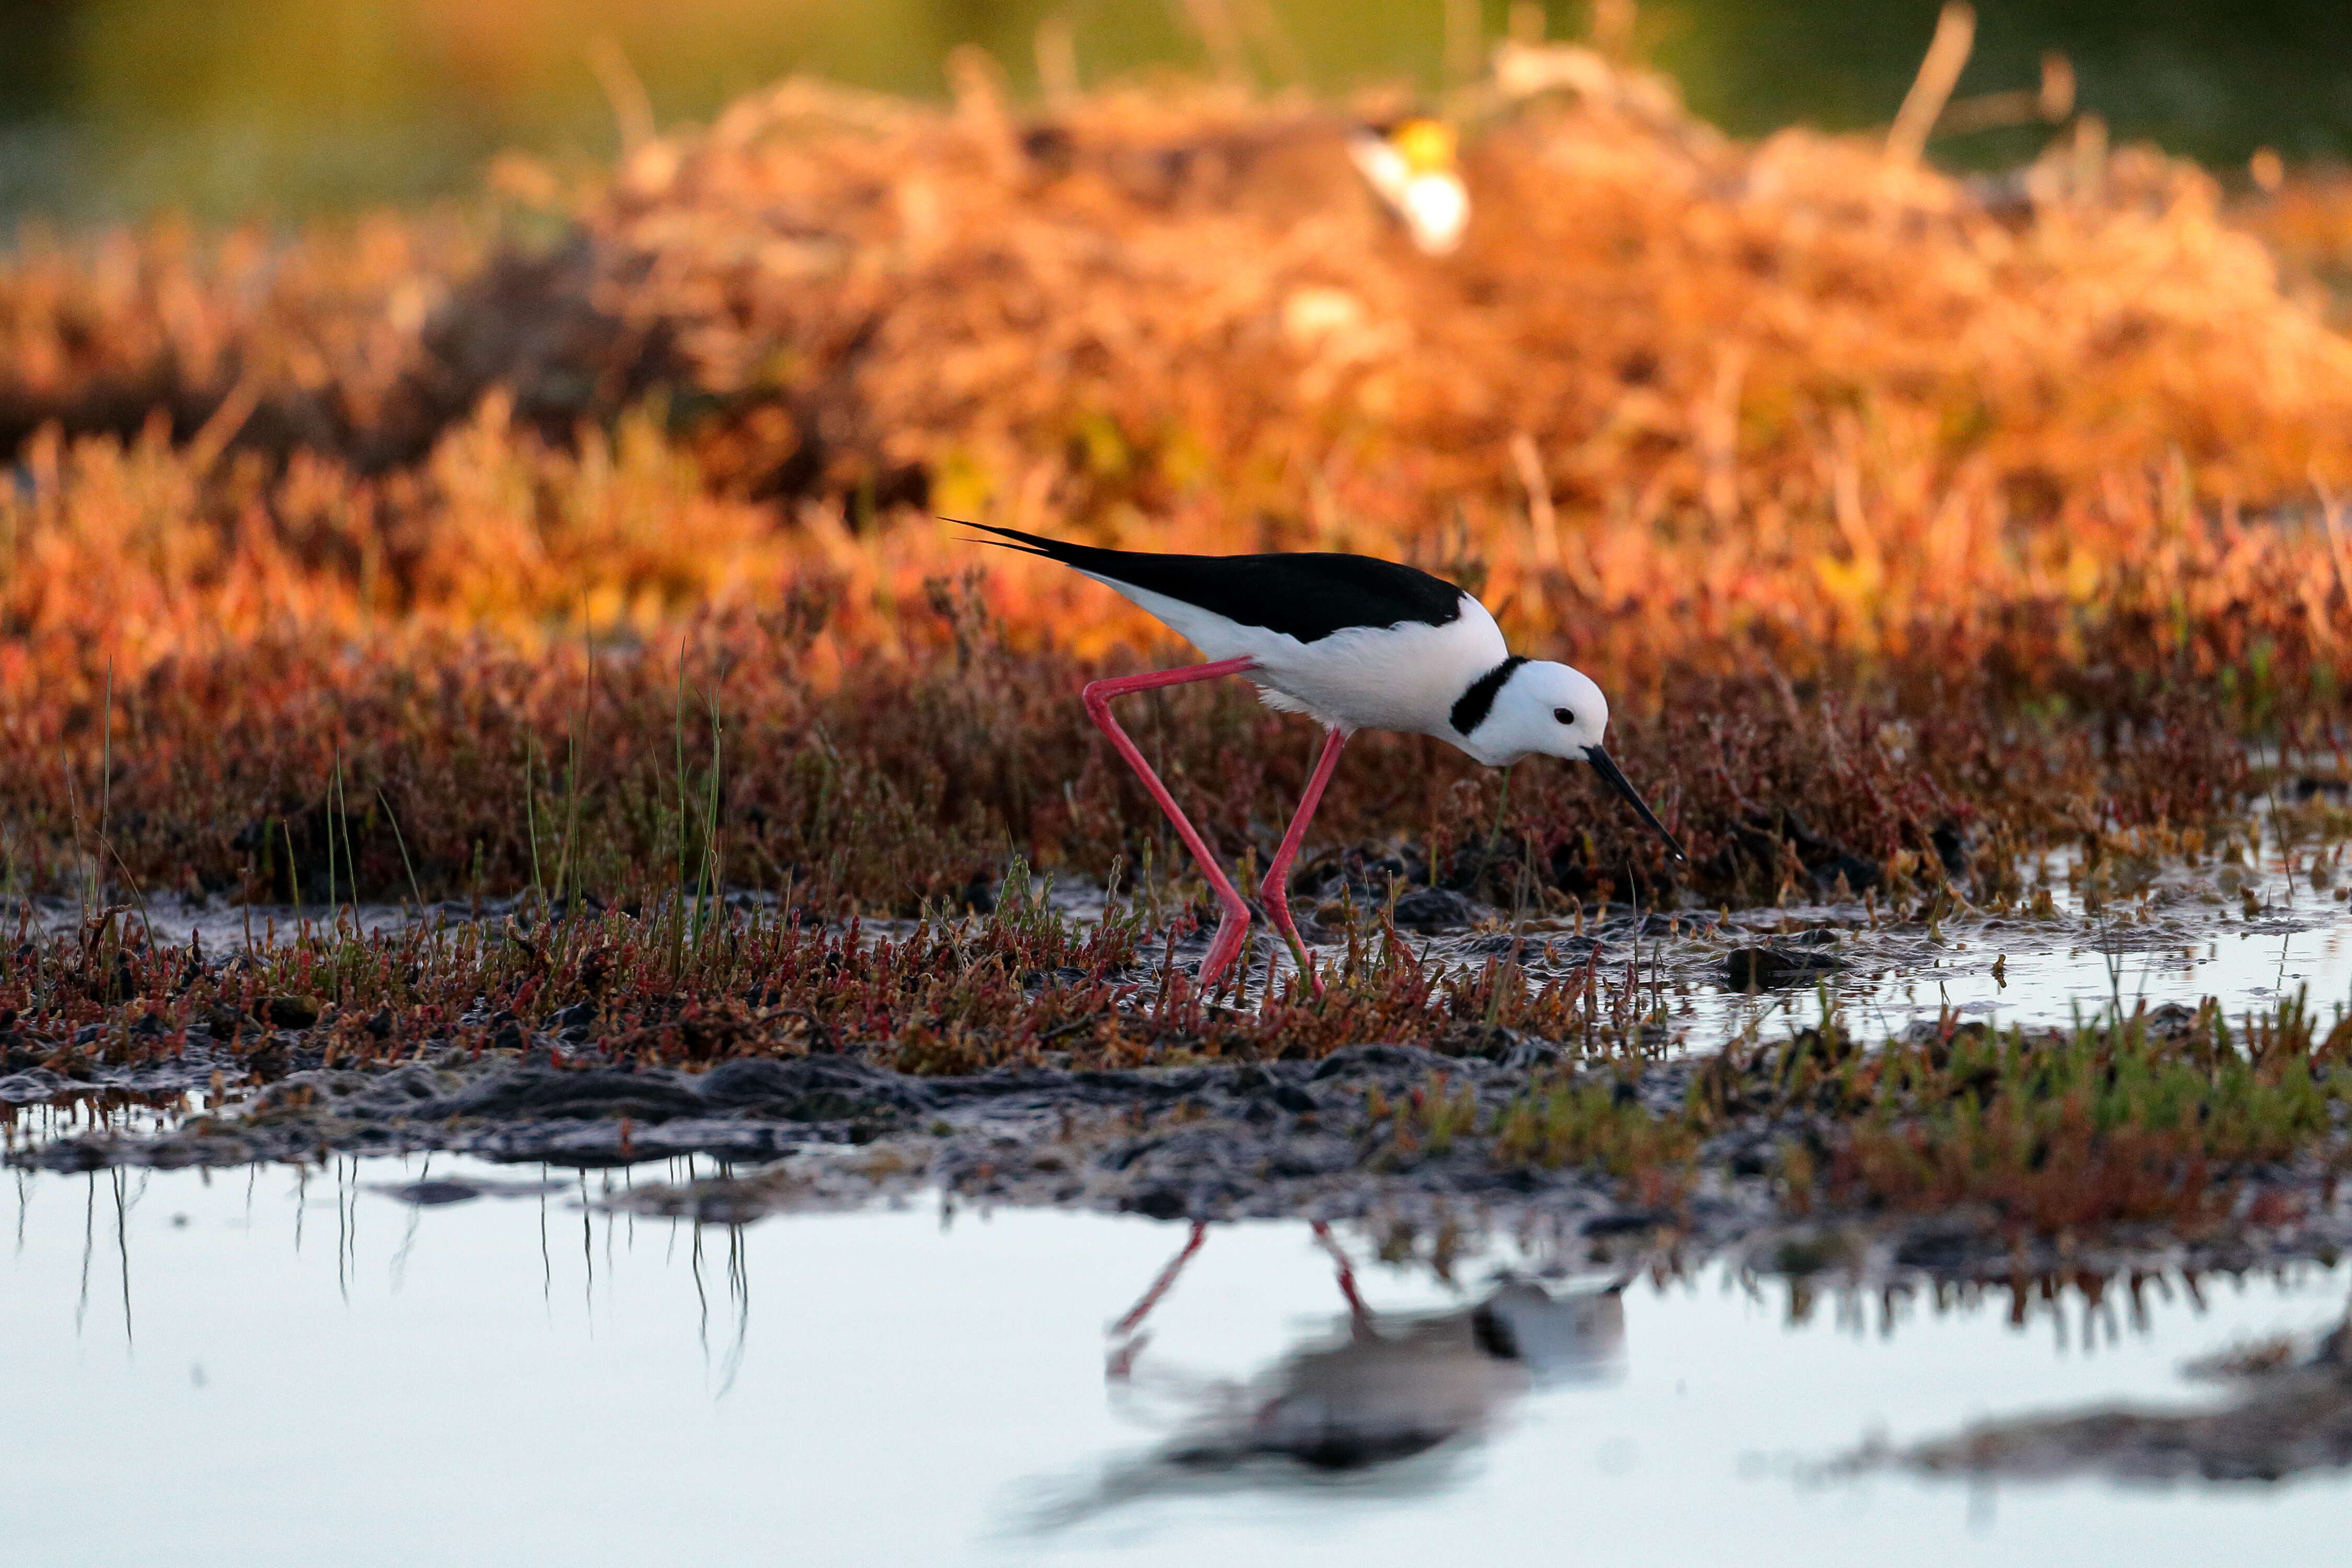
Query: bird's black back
point(1307, 595)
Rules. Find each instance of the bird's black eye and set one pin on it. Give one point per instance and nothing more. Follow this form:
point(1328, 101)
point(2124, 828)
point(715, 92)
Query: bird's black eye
point(1563, 715)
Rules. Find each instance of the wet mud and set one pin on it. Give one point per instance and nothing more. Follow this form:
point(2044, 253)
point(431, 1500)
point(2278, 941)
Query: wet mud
point(1324, 1139)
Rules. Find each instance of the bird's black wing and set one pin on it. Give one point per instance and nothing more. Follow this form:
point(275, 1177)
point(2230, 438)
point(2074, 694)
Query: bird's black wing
point(1307, 595)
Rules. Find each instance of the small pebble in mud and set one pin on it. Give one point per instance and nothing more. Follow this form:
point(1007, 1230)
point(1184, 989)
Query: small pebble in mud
point(289, 1012)
point(1752, 966)
point(1433, 909)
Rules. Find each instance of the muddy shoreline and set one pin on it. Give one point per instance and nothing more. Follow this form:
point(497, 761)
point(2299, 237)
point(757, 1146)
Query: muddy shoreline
point(1317, 1140)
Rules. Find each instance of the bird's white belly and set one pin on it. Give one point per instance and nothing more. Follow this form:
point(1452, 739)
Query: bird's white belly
point(1405, 678)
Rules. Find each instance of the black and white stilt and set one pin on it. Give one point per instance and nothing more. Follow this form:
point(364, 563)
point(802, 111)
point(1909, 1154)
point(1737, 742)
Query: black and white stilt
point(1356, 643)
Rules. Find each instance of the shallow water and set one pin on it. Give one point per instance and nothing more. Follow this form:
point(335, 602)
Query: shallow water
point(2053, 977)
point(2180, 942)
point(278, 1366)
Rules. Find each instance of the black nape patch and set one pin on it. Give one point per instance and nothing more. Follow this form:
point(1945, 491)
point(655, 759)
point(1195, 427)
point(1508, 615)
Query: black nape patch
point(1470, 710)
point(1305, 595)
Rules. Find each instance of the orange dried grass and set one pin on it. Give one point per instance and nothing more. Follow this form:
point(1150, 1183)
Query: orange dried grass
point(1678, 399)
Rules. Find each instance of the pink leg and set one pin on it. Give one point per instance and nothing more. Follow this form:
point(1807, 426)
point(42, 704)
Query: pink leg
point(1122, 1359)
point(1275, 890)
point(1234, 929)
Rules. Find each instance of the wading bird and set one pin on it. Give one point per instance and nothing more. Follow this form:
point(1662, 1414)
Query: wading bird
point(1356, 643)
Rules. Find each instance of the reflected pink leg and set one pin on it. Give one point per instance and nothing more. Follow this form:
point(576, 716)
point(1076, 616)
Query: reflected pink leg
point(1122, 1359)
point(1275, 890)
point(1233, 931)
point(1359, 1315)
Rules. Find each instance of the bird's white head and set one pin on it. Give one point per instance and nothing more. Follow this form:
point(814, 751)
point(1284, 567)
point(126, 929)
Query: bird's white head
point(1550, 709)
point(1543, 709)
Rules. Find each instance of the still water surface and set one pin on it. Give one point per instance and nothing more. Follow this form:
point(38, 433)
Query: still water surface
point(281, 1367)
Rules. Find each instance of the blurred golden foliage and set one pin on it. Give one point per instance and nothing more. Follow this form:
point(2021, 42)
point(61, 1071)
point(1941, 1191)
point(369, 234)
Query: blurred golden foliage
point(1794, 383)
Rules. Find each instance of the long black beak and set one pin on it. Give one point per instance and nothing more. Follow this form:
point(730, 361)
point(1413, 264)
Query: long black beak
point(1606, 766)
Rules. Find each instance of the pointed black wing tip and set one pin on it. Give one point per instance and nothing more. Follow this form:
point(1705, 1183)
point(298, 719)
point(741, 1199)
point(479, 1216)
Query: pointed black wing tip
point(992, 528)
point(1020, 543)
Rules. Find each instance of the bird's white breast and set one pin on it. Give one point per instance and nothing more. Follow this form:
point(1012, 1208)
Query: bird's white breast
point(1405, 678)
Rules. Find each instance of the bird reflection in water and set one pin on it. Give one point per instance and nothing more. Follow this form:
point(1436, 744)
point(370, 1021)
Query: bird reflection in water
point(1391, 1399)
